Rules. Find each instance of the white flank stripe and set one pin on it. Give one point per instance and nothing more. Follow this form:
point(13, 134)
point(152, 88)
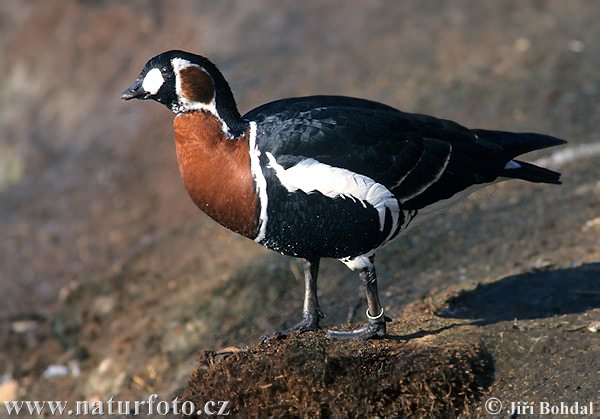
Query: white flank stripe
point(311, 175)
point(512, 165)
point(261, 183)
point(435, 179)
point(153, 81)
point(565, 156)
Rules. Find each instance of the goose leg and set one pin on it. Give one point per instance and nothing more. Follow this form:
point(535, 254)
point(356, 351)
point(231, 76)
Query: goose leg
point(377, 319)
point(311, 312)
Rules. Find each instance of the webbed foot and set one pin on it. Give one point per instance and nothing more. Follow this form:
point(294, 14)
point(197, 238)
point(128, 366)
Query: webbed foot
point(375, 329)
point(308, 323)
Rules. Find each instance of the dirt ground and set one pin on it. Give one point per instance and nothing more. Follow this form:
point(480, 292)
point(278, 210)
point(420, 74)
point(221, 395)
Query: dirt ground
point(113, 284)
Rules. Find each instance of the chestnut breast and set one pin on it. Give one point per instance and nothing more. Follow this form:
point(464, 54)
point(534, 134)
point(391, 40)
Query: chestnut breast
point(216, 171)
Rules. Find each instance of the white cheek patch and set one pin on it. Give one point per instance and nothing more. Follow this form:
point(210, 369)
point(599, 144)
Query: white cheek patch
point(153, 81)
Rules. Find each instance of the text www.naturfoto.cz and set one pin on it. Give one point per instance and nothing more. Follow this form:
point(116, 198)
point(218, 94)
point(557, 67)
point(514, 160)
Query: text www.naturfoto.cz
point(116, 407)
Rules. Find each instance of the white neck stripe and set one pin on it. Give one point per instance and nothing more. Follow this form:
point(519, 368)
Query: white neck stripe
point(261, 183)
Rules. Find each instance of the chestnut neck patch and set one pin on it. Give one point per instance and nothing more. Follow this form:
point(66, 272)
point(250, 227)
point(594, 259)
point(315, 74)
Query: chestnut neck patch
point(216, 171)
point(196, 85)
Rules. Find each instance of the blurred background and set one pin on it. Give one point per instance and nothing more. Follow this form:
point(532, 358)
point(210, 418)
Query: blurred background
point(111, 280)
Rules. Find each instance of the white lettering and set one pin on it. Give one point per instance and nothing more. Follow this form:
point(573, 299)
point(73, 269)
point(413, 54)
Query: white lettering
point(223, 410)
point(123, 407)
point(187, 408)
point(97, 408)
point(162, 408)
point(151, 400)
point(208, 411)
point(137, 405)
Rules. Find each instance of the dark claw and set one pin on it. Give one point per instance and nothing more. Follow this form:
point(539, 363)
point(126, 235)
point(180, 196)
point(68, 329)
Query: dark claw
point(373, 330)
point(307, 324)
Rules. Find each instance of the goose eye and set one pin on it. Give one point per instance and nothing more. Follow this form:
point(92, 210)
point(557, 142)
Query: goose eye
point(165, 72)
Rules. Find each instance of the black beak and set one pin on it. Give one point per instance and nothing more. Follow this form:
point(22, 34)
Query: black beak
point(136, 91)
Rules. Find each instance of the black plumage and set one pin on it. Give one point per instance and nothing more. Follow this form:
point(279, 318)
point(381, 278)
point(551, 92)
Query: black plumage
point(419, 158)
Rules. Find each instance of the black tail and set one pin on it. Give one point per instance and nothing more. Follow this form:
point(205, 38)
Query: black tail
point(532, 173)
point(515, 144)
